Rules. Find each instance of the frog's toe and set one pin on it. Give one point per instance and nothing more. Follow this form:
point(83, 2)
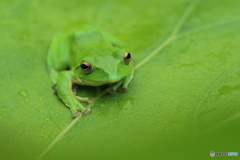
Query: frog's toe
point(90, 100)
point(54, 86)
point(122, 89)
point(87, 100)
point(55, 93)
point(74, 115)
point(111, 90)
point(86, 111)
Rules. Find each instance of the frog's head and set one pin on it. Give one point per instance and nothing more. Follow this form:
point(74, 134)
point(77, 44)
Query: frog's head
point(106, 67)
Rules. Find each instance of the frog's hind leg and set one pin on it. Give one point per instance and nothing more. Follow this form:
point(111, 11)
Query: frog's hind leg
point(64, 89)
point(57, 58)
point(81, 99)
point(85, 99)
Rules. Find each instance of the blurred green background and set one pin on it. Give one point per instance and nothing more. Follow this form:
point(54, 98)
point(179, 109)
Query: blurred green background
point(182, 103)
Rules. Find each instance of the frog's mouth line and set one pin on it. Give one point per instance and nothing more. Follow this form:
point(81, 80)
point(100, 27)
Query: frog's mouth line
point(96, 83)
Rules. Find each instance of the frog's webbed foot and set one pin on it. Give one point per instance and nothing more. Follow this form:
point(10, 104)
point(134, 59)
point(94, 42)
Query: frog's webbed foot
point(120, 86)
point(74, 115)
point(111, 90)
point(122, 89)
point(85, 112)
point(85, 99)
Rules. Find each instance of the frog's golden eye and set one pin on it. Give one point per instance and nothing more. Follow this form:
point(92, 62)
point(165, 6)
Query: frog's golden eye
point(127, 57)
point(86, 67)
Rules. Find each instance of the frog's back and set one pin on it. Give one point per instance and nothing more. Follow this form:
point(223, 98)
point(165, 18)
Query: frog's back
point(83, 43)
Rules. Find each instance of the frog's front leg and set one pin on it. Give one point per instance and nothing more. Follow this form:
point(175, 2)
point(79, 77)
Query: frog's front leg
point(64, 90)
point(126, 81)
point(122, 85)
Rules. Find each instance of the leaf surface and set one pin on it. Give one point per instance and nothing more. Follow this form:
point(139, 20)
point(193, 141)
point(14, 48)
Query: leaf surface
point(183, 100)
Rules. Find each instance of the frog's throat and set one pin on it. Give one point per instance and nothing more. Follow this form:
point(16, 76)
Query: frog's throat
point(95, 83)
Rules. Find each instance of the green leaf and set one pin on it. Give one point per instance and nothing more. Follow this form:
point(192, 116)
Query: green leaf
point(182, 103)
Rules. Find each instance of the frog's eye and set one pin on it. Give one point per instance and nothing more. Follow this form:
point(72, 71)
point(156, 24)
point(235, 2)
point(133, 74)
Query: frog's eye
point(86, 67)
point(127, 57)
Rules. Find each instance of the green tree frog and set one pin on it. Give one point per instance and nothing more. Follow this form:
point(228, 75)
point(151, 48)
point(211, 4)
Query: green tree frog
point(88, 57)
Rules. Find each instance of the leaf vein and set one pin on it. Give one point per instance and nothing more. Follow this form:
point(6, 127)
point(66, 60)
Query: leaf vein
point(172, 35)
point(207, 26)
point(201, 100)
point(236, 116)
point(113, 120)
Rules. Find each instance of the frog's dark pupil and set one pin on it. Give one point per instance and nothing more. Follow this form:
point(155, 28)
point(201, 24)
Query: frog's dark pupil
point(83, 66)
point(128, 56)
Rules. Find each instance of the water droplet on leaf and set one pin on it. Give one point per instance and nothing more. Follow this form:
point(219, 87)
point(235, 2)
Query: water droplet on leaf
point(23, 93)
